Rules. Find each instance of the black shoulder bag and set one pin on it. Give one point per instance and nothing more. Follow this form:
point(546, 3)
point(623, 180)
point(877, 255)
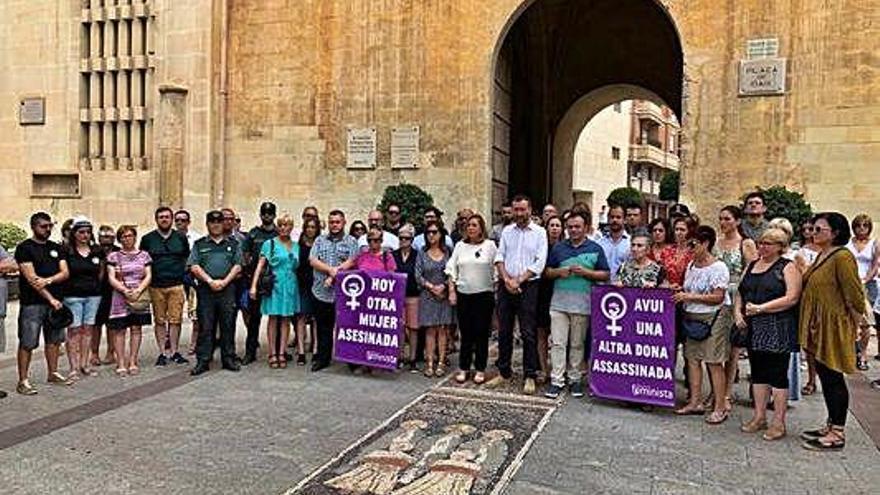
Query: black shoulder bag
point(266, 284)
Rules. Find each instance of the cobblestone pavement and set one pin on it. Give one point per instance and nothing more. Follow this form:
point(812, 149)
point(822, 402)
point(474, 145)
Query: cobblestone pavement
point(263, 431)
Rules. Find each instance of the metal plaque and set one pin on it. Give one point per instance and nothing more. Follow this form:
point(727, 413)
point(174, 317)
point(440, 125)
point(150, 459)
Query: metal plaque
point(361, 147)
point(760, 77)
point(405, 147)
point(32, 111)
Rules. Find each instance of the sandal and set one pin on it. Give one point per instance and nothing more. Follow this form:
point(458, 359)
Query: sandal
point(273, 361)
point(690, 410)
point(88, 372)
point(834, 441)
point(775, 432)
point(282, 362)
point(809, 389)
point(133, 370)
point(121, 372)
point(461, 376)
point(429, 370)
point(479, 378)
point(717, 417)
point(814, 434)
point(728, 404)
point(754, 426)
point(440, 371)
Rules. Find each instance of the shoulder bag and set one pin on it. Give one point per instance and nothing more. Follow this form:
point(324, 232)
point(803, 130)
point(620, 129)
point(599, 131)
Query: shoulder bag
point(266, 284)
point(697, 329)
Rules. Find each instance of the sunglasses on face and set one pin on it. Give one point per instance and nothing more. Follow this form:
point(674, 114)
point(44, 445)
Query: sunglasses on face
point(405, 238)
point(393, 212)
point(432, 232)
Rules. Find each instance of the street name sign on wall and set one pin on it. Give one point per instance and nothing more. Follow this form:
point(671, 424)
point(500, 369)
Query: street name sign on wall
point(762, 77)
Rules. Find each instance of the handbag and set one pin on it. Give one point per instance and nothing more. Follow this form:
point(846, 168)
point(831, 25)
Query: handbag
point(697, 329)
point(140, 304)
point(266, 284)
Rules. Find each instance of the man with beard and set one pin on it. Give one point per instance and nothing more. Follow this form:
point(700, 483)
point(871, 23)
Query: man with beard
point(41, 271)
point(169, 250)
point(506, 219)
point(615, 243)
point(520, 261)
point(250, 250)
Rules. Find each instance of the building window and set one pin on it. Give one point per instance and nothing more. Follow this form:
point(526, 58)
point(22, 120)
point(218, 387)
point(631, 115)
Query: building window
point(116, 85)
point(615, 153)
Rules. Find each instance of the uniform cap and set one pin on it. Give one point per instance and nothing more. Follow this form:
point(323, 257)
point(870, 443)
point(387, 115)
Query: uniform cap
point(214, 216)
point(267, 208)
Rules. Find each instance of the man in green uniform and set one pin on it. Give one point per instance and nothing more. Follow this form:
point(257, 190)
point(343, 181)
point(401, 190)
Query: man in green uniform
point(215, 261)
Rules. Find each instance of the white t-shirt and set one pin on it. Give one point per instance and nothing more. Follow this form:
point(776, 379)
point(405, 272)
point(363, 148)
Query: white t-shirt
point(704, 281)
point(471, 267)
point(389, 241)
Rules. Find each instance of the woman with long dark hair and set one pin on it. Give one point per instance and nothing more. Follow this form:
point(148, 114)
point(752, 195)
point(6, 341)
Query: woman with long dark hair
point(82, 295)
point(305, 277)
point(435, 312)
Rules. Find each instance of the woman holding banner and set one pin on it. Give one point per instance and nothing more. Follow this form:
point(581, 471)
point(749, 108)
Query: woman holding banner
point(766, 312)
point(471, 274)
point(435, 313)
point(706, 324)
point(374, 258)
point(405, 260)
point(639, 270)
point(281, 256)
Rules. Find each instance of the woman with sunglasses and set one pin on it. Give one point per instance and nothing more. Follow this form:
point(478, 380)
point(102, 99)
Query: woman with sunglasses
point(82, 295)
point(736, 251)
point(704, 300)
point(357, 229)
point(766, 313)
point(867, 253)
point(435, 312)
point(405, 260)
point(374, 258)
point(832, 305)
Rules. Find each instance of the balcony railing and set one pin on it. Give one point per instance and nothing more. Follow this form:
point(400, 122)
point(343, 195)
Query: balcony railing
point(646, 153)
point(649, 110)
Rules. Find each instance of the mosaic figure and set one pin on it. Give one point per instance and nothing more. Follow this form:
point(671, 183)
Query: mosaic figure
point(457, 475)
point(441, 448)
point(378, 470)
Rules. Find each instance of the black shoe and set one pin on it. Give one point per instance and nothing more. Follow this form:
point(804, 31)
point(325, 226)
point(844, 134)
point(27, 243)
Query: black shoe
point(301, 359)
point(177, 358)
point(3, 394)
point(231, 366)
point(162, 360)
point(200, 368)
point(288, 356)
point(248, 359)
point(318, 366)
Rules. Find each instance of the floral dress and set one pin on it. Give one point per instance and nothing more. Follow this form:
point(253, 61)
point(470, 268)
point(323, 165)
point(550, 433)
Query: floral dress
point(631, 274)
point(675, 262)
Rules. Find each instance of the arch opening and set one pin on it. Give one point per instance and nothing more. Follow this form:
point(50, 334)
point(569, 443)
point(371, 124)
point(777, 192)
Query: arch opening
point(559, 63)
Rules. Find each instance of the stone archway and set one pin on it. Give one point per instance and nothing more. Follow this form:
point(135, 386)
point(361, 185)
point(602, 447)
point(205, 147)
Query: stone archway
point(557, 63)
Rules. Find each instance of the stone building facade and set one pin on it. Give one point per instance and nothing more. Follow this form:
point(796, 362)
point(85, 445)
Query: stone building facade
point(199, 103)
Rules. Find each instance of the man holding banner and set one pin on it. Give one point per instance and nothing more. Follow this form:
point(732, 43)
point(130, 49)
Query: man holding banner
point(575, 264)
point(331, 253)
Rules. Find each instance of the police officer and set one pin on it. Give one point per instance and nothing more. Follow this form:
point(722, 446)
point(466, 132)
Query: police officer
point(250, 250)
point(215, 261)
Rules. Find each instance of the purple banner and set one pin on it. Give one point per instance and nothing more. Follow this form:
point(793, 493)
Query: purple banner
point(633, 346)
point(369, 318)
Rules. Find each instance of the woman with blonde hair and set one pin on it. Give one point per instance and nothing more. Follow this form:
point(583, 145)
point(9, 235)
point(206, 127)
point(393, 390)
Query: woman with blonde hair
point(280, 302)
point(766, 310)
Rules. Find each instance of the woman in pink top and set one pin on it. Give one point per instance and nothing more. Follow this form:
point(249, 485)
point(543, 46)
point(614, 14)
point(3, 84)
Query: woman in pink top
point(129, 273)
point(374, 258)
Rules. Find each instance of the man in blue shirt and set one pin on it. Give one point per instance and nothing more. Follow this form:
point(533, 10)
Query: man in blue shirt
point(615, 243)
point(575, 264)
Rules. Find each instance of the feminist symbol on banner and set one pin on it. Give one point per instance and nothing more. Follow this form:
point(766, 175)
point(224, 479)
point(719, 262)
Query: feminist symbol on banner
point(613, 306)
point(353, 286)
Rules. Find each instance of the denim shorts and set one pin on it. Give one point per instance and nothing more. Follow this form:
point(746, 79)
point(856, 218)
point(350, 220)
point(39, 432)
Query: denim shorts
point(32, 321)
point(84, 309)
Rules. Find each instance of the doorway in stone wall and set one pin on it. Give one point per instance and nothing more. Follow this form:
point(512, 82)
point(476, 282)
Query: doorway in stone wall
point(557, 64)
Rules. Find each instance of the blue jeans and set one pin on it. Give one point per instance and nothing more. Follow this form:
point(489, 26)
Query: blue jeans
point(84, 309)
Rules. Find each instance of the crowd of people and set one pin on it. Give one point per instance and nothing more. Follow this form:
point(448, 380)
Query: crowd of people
point(751, 286)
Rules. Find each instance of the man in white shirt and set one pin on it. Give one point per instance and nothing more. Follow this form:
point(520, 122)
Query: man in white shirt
point(616, 242)
point(522, 254)
point(390, 242)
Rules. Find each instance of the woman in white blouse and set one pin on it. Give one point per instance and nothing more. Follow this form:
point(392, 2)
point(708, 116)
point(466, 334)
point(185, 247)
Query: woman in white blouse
point(472, 289)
